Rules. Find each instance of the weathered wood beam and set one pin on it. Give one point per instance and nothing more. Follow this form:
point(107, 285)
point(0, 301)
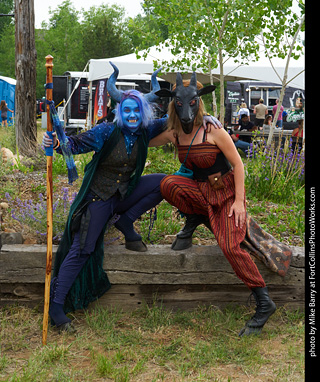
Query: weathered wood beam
point(179, 280)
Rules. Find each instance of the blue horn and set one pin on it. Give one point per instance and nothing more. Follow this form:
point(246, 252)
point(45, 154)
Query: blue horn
point(115, 94)
point(152, 97)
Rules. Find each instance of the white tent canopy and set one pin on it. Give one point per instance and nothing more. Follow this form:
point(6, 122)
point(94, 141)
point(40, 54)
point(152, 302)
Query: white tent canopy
point(260, 70)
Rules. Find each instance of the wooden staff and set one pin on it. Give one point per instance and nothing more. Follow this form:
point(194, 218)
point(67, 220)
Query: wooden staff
point(49, 66)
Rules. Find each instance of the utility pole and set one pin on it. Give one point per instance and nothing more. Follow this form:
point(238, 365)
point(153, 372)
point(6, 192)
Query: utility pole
point(25, 93)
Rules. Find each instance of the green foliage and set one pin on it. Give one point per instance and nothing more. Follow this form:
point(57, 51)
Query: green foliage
point(231, 25)
point(162, 160)
point(275, 173)
point(5, 167)
point(7, 51)
point(60, 37)
point(20, 166)
point(59, 166)
point(274, 191)
point(206, 33)
point(144, 29)
point(33, 213)
point(104, 32)
point(73, 37)
point(6, 8)
point(8, 137)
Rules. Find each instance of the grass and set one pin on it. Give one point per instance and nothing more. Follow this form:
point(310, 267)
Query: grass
point(152, 344)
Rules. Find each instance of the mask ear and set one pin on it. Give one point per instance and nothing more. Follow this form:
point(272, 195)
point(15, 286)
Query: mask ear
point(165, 93)
point(206, 90)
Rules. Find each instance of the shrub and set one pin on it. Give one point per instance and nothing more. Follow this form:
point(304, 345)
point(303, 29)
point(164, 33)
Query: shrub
point(275, 173)
point(34, 213)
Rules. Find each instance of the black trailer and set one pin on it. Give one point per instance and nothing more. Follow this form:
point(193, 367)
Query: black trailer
point(251, 91)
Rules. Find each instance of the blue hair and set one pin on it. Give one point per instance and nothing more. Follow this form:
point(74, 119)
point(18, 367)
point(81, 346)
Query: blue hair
point(145, 107)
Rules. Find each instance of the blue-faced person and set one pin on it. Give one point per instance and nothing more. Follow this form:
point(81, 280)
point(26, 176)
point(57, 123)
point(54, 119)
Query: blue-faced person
point(131, 114)
point(133, 111)
point(113, 191)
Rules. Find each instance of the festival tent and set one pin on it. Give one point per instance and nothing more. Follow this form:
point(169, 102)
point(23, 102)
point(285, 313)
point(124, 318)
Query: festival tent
point(130, 65)
point(7, 92)
point(260, 70)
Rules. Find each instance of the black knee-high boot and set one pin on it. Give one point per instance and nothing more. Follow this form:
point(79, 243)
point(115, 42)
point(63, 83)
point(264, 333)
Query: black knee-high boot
point(265, 308)
point(184, 237)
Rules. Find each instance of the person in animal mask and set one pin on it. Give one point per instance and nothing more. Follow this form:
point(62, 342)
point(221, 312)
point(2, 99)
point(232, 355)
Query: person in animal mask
point(215, 195)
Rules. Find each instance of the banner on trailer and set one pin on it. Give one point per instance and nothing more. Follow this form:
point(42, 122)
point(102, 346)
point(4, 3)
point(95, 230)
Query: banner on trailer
point(101, 101)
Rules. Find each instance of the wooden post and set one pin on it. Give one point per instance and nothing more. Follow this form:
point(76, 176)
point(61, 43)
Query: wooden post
point(26, 75)
point(49, 66)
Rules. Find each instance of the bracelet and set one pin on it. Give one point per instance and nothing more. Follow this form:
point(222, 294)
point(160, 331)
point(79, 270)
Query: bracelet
point(57, 144)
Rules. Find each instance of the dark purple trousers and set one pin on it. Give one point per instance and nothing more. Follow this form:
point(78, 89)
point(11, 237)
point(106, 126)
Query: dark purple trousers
point(144, 197)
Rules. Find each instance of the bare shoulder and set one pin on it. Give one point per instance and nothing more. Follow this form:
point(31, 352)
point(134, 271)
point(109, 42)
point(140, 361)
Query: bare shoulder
point(216, 136)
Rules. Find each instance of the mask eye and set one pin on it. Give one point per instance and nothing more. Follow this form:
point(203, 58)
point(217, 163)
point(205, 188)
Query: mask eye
point(178, 103)
point(193, 102)
point(137, 110)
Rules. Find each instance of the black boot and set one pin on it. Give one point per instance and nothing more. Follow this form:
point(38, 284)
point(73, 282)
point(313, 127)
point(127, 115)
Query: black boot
point(265, 308)
point(133, 239)
point(138, 246)
point(184, 237)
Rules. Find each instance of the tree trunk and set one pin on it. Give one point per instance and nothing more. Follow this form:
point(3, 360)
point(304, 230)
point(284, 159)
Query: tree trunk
point(284, 80)
point(25, 94)
point(221, 87)
point(214, 100)
point(275, 118)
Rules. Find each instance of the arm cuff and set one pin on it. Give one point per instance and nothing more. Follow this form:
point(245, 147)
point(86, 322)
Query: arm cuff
point(57, 144)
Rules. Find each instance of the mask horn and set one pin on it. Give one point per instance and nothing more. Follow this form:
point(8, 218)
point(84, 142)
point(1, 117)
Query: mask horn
point(111, 85)
point(179, 80)
point(193, 80)
point(152, 97)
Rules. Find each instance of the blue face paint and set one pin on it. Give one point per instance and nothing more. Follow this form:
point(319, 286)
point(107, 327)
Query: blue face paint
point(131, 114)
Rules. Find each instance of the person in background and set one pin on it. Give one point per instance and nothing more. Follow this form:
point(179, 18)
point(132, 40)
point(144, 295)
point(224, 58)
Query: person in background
point(4, 113)
point(43, 105)
point(239, 143)
point(260, 112)
point(274, 111)
point(246, 125)
point(267, 123)
point(243, 111)
point(296, 134)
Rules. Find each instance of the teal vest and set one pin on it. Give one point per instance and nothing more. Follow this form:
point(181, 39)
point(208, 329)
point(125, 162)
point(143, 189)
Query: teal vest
point(92, 282)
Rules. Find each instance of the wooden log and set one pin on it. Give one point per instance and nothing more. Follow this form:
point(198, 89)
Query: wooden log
point(178, 280)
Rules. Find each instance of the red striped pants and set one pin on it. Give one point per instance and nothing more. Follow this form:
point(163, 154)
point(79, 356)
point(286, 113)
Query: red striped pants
point(192, 197)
